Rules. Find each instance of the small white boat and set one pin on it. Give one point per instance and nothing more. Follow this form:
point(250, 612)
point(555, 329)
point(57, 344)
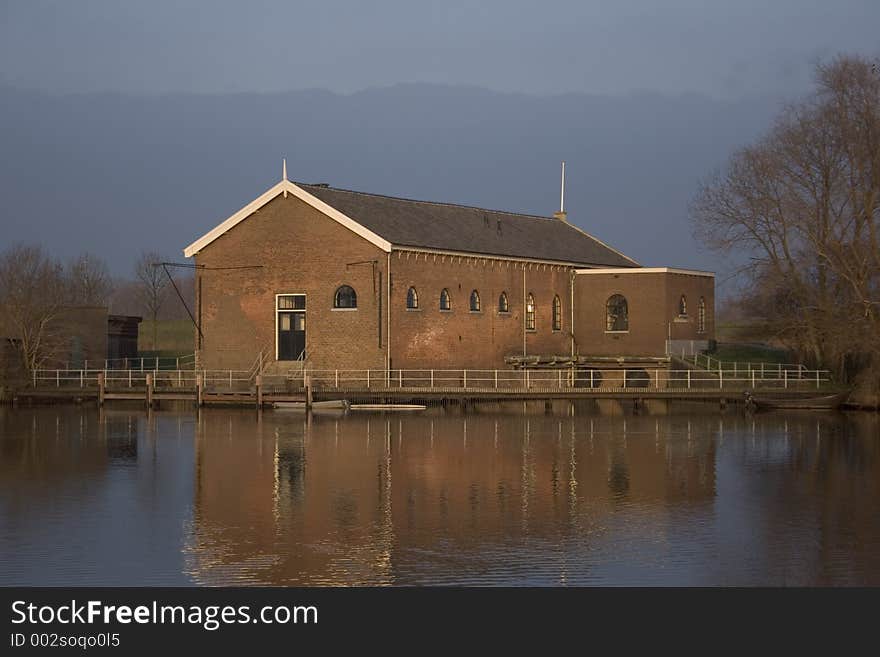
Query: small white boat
point(335, 404)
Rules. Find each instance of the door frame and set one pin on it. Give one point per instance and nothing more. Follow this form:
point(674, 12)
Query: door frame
point(278, 312)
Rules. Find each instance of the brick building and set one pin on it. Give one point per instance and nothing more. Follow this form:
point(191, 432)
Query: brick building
point(350, 280)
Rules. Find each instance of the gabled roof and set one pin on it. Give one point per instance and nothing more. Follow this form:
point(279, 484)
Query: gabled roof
point(388, 221)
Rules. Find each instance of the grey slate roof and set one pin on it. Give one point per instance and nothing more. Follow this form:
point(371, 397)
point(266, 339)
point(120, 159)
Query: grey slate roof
point(449, 227)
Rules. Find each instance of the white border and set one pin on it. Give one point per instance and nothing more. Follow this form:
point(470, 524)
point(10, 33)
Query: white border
point(285, 187)
point(290, 310)
point(645, 270)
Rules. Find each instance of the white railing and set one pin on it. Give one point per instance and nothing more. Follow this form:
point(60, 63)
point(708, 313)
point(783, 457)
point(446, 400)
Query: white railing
point(765, 370)
point(139, 363)
point(126, 378)
point(443, 379)
point(559, 379)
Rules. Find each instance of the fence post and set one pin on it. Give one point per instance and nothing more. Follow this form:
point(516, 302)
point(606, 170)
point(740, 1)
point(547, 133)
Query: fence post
point(528, 385)
point(464, 379)
point(753, 379)
point(230, 378)
point(432, 378)
point(336, 377)
point(368, 378)
point(259, 384)
point(689, 379)
point(560, 379)
point(129, 378)
point(149, 390)
point(199, 389)
point(496, 379)
point(142, 363)
point(657, 379)
point(35, 377)
point(57, 378)
point(624, 371)
point(591, 378)
point(720, 378)
point(817, 379)
point(81, 379)
point(785, 373)
point(101, 384)
point(399, 378)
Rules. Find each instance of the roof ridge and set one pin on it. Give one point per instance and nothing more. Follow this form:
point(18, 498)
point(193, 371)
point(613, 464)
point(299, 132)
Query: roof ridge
point(416, 200)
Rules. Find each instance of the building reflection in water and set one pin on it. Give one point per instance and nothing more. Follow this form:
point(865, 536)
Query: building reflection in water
point(497, 495)
point(385, 499)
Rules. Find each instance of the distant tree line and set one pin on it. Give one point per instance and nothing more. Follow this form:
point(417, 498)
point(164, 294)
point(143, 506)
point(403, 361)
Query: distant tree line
point(35, 289)
point(803, 203)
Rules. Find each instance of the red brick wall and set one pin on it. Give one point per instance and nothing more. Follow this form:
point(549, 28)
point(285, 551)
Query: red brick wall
point(652, 300)
point(431, 338)
point(301, 251)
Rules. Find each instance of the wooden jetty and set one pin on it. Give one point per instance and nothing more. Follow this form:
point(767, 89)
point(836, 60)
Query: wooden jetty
point(230, 387)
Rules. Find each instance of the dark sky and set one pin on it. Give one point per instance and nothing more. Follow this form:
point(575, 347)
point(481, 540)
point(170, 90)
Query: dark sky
point(721, 48)
point(142, 125)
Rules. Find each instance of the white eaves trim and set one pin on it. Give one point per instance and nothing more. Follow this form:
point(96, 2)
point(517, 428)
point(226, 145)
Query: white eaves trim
point(286, 187)
point(645, 270)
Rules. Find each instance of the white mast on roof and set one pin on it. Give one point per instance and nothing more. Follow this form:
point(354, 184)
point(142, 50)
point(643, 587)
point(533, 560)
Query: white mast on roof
point(284, 173)
point(562, 190)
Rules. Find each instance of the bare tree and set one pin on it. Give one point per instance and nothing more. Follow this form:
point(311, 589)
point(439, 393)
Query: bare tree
point(32, 292)
point(152, 286)
point(90, 281)
point(803, 204)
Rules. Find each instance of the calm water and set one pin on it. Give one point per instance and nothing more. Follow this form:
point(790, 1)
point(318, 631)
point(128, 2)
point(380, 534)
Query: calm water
point(684, 496)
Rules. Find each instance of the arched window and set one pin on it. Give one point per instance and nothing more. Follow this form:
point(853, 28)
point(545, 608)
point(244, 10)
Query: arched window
point(475, 301)
point(557, 313)
point(683, 306)
point(530, 312)
point(616, 313)
point(345, 297)
point(412, 299)
point(503, 303)
point(445, 302)
point(701, 316)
